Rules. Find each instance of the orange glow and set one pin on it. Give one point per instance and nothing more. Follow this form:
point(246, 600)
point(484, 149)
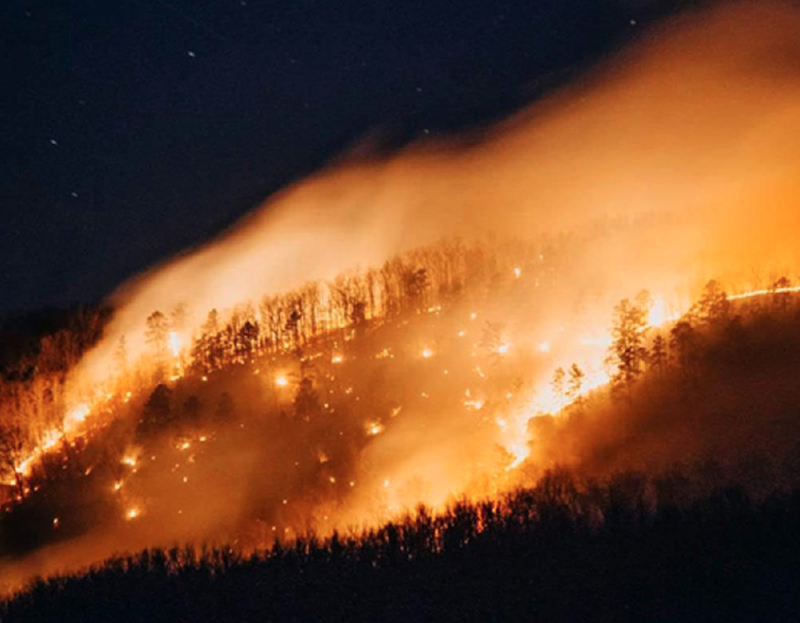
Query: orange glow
point(175, 343)
point(668, 219)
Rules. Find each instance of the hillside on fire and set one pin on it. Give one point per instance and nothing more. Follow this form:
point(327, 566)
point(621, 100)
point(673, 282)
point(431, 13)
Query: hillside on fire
point(679, 476)
point(470, 312)
point(337, 408)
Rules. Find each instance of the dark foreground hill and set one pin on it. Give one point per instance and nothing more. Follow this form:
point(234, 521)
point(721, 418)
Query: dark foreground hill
point(563, 551)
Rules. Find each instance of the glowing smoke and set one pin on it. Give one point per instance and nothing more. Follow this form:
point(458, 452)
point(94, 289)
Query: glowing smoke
point(692, 134)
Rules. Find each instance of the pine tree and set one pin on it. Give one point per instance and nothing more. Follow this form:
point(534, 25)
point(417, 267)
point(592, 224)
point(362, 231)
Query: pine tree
point(658, 354)
point(627, 353)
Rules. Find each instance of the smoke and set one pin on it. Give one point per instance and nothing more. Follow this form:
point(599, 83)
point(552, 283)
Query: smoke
point(691, 136)
point(699, 120)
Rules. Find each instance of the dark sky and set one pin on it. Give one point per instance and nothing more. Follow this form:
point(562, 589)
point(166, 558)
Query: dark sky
point(131, 129)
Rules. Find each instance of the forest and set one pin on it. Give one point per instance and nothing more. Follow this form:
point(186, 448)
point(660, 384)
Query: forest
point(373, 445)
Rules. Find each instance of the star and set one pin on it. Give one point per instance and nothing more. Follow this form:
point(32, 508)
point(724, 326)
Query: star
point(53, 142)
point(191, 54)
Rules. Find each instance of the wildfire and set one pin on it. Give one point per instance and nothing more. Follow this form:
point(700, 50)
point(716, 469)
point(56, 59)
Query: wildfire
point(427, 353)
point(281, 381)
point(175, 343)
point(78, 414)
point(764, 292)
point(132, 513)
point(374, 428)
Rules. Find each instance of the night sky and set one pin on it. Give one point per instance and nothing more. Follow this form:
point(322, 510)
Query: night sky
point(132, 129)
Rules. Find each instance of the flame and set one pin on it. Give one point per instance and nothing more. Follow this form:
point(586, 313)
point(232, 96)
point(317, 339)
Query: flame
point(175, 343)
point(374, 428)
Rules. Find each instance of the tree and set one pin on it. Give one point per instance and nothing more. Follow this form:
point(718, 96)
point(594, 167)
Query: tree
point(293, 325)
point(658, 354)
point(713, 308)
point(191, 408)
point(248, 339)
point(558, 385)
point(306, 402)
point(12, 446)
point(224, 412)
point(684, 343)
point(575, 384)
point(178, 317)
point(156, 335)
point(156, 411)
point(780, 294)
point(415, 285)
point(627, 353)
point(121, 356)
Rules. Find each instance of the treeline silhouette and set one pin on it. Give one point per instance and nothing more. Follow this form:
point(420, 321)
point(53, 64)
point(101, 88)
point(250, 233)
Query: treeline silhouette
point(632, 548)
point(717, 387)
point(42, 349)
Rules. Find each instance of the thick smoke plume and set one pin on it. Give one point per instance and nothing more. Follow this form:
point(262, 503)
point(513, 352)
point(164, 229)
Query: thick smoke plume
point(698, 123)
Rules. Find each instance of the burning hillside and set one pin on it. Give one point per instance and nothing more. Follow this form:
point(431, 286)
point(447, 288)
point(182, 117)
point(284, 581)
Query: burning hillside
point(433, 326)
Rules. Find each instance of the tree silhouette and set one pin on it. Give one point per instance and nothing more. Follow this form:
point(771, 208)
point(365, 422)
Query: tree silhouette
point(780, 298)
point(12, 445)
point(575, 384)
point(306, 401)
point(156, 335)
point(557, 384)
point(156, 412)
point(627, 353)
point(191, 409)
point(713, 307)
point(659, 354)
point(684, 340)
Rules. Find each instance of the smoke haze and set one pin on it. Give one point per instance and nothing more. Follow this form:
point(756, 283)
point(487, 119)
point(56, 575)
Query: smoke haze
point(691, 137)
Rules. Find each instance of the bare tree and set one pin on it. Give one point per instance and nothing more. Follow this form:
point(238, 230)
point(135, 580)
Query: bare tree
point(557, 384)
point(13, 438)
point(575, 384)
